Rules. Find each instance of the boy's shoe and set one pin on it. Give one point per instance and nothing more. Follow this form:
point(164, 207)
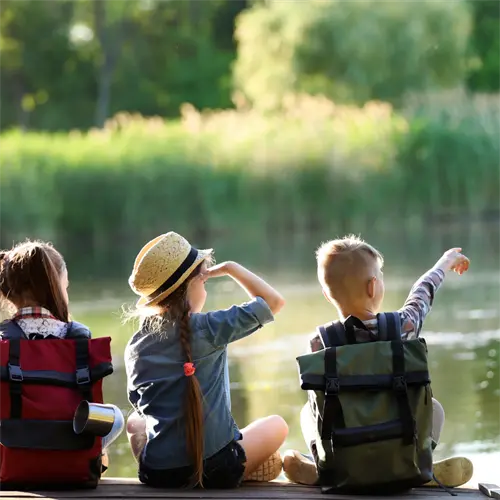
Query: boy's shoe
point(452, 472)
point(299, 468)
point(269, 470)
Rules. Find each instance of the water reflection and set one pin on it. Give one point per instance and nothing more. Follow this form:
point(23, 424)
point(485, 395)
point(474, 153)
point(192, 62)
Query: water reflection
point(462, 332)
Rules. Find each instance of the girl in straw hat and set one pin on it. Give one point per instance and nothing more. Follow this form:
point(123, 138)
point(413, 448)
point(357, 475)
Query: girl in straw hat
point(182, 432)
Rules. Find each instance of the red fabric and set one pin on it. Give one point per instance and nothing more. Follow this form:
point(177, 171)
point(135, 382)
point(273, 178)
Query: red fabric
point(49, 402)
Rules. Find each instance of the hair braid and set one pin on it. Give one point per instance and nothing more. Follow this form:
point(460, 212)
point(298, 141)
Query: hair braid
point(175, 310)
point(193, 404)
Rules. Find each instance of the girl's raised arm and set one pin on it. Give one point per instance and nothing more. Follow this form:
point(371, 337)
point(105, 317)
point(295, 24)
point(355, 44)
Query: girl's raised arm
point(250, 282)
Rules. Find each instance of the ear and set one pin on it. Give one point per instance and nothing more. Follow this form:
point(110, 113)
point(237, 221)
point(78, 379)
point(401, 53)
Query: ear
point(370, 287)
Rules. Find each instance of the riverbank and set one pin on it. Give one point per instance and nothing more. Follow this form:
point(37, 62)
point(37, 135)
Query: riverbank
point(316, 165)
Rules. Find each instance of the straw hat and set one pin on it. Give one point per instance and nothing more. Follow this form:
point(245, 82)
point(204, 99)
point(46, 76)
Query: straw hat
point(162, 266)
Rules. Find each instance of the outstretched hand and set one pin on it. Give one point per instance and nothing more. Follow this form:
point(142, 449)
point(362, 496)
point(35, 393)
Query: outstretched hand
point(217, 271)
point(454, 260)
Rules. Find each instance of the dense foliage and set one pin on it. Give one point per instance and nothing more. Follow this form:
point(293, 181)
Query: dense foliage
point(316, 165)
point(74, 63)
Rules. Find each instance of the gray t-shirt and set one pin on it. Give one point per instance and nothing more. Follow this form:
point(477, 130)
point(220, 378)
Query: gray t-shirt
point(156, 382)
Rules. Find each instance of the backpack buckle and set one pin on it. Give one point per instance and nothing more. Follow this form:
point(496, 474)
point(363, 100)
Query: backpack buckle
point(83, 375)
point(399, 384)
point(332, 386)
point(15, 373)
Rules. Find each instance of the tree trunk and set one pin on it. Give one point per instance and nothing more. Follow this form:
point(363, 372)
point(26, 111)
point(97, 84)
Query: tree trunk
point(104, 93)
point(106, 64)
point(22, 114)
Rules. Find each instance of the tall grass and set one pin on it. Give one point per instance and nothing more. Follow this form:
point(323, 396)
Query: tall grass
point(315, 165)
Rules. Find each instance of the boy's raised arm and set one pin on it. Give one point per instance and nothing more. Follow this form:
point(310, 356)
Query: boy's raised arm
point(419, 301)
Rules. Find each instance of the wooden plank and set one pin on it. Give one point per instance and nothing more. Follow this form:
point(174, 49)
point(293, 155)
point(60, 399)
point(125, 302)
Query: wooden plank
point(118, 488)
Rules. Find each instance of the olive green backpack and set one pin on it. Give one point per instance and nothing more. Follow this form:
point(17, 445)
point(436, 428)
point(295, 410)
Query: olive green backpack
point(371, 401)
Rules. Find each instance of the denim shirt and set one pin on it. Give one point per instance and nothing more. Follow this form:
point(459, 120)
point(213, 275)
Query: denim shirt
point(156, 382)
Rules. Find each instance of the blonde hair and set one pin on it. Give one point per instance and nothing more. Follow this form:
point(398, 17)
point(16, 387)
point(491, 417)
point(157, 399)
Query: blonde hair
point(345, 263)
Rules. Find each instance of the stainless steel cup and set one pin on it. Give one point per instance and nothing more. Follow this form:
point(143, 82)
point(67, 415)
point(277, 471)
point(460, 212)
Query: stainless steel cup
point(93, 418)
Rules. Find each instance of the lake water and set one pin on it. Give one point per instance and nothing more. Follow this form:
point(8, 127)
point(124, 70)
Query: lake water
point(462, 332)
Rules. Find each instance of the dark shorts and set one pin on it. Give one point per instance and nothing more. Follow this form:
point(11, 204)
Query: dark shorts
point(223, 470)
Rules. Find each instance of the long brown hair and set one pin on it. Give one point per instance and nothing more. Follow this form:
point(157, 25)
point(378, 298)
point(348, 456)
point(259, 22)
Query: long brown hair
point(176, 310)
point(30, 273)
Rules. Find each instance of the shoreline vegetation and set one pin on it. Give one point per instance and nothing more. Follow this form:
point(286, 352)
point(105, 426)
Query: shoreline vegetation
point(313, 164)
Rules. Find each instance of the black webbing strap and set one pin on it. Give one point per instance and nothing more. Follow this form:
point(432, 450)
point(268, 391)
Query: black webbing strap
point(389, 326)
point(337, 333)
point(333, 416)
point(15, 378)
point(401, 390)
point(351, 324)
point(349, 332)
point(83, 379)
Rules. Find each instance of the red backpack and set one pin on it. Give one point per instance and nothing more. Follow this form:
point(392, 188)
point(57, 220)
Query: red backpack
point(42, 383)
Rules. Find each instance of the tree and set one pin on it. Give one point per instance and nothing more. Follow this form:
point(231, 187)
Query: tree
point(350, 51)
point(74, 63)
point(34, 48)
point(484, 74)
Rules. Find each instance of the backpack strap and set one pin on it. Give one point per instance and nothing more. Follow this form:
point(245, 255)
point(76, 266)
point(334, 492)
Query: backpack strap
point(389, 326)
point(11, 330)
point(332, 334)
point(392, 324)
point(14, 334)
point(15, 377)
point(333, 415)
point(81, 335)
point(83, 378)
point(77, 331)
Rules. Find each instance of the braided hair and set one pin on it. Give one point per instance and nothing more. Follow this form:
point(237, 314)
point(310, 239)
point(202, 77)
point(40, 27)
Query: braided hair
point(176, 311)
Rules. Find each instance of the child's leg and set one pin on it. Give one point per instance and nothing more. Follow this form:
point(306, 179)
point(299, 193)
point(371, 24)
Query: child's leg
point(451, 472)
point(136, 433)
point(437, 420)
point(308, 426)
point(297, 467)
point(261, 439)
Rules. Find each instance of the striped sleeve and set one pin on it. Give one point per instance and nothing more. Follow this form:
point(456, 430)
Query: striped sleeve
point(419, 303)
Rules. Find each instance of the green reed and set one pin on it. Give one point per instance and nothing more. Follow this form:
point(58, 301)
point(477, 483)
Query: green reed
point(315, 165)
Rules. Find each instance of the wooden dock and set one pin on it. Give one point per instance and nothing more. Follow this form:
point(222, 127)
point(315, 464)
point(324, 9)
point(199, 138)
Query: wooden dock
point(121, 488)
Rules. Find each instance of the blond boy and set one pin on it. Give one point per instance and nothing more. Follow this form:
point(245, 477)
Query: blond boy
point(351, 278)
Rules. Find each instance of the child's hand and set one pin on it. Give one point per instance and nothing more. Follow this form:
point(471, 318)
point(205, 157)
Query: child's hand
point(250, 282)
point(217, 271)
point(453, 260)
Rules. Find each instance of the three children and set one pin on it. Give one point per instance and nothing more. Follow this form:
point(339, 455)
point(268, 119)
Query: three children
point(182, 432)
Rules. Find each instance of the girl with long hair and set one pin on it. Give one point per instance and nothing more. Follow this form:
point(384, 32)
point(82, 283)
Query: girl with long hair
point(33, 288)
point(182, 432)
